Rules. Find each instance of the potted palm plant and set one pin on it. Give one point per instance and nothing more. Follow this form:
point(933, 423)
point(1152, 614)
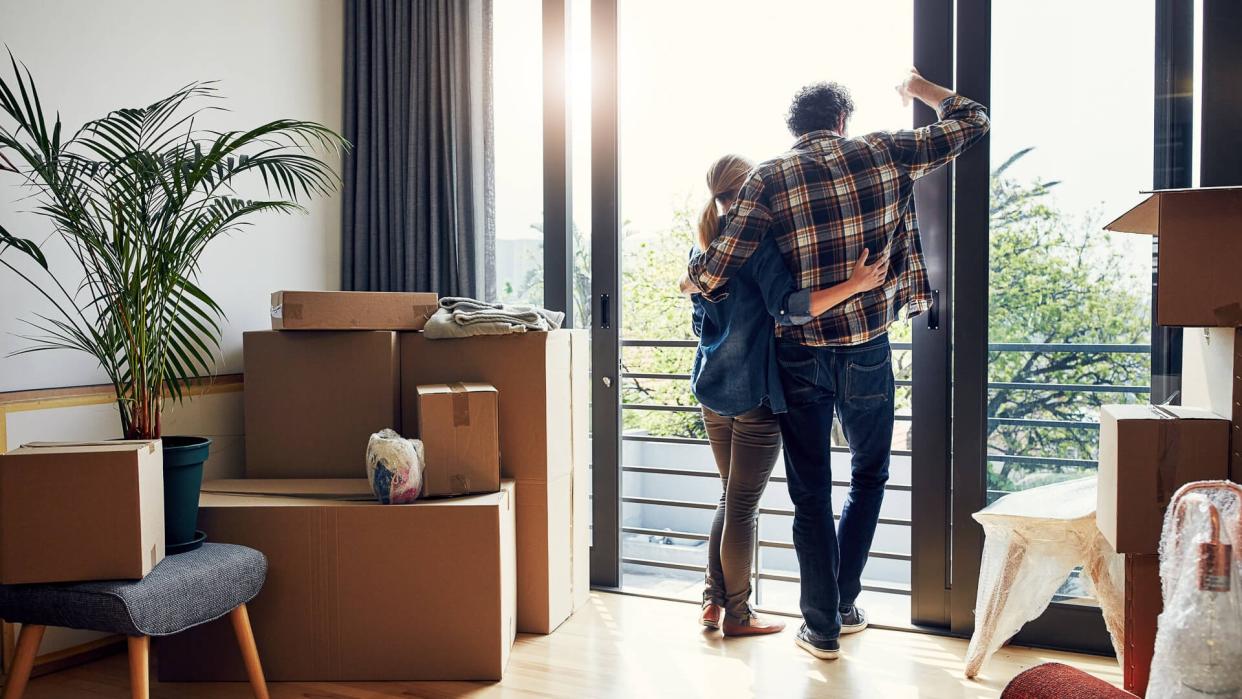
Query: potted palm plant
point(135, 197)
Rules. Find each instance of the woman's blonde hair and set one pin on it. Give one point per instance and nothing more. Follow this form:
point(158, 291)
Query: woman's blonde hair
point(724, 180)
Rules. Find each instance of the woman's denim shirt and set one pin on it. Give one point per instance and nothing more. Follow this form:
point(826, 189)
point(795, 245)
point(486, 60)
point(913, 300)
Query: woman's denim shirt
point(735, 364)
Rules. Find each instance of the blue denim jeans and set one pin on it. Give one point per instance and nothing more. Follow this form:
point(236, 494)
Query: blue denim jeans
point(856, 382)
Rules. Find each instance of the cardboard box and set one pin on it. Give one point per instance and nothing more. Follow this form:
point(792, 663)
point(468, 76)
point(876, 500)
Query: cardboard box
point(544, 393)
point(1212, 379)
point(362, 591)
point(458, 426)
point(1197, 282)
point(1146, 453)
point(352, 310)
point(81, 511)
point(313, 399)
point(1142, 607)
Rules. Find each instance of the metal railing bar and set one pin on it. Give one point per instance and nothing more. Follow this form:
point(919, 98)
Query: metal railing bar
point(1023, 422)
point(1044, 460)
point(1099, 348)
point(775, 511)
point(788, 546)
point(669, 534)
point(1096, 348)
point(890, 588)
point(664, 471)
point(669, 377)
point(1067, 387)
point(663, 408)
point(694, 440)
point(663, 564)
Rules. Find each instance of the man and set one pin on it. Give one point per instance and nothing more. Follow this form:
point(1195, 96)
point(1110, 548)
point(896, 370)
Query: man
point(826, 201)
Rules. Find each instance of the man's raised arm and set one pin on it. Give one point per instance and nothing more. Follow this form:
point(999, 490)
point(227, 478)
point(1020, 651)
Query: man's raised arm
point(745, 225)
point(961, 123)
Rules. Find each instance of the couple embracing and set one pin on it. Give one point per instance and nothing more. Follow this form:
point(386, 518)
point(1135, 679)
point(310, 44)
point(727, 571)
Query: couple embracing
point(802, 264)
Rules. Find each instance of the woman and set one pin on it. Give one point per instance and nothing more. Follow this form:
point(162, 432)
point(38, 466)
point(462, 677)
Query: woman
point(735, 380)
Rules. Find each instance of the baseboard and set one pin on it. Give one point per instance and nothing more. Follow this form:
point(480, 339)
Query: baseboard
point(77, 655)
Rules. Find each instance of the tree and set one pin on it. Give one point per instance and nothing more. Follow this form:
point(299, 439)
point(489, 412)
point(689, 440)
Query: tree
point(1053, 280)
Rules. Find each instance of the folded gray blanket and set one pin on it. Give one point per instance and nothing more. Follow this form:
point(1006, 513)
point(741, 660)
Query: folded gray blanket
point(466, 317)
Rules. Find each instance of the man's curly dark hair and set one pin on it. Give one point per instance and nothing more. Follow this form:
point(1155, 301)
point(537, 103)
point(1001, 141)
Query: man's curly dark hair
point(819, 107)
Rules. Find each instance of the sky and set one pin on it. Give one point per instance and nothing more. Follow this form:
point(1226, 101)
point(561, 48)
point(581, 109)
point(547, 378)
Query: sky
point(701, 78)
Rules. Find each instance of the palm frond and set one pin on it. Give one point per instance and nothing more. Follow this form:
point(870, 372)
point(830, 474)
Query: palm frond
point(137, 195)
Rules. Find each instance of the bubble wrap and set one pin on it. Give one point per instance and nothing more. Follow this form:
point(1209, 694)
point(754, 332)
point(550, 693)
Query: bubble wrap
point(395, 467)
point(1199, 636)
point(1034, 539)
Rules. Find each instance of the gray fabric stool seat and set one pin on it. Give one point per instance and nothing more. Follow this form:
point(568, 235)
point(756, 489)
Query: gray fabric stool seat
point(184, 590)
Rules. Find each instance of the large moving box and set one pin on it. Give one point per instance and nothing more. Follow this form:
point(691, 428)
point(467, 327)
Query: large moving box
point(363, 591)
point(351, 310)
point(542, 383)
point(314, 398)
point(1212, 380)
point(457, 423)
point(1197, 281)
point(81, 511)
point(1146, 453)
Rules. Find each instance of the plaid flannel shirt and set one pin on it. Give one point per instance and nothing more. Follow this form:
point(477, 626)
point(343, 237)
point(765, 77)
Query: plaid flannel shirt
point(824, 201)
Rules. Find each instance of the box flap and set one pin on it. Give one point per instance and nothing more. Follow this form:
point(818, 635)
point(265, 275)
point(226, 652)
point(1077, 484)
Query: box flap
point(218, 499)
point(458, 387)
point(1145, 411)
point(320, 488)
point(87, 446)
point(1144, 218)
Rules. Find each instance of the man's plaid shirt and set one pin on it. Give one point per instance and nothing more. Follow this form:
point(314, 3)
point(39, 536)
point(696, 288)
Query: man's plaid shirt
point(824, 201)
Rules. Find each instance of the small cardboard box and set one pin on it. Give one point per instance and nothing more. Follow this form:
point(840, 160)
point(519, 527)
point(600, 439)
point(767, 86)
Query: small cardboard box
point(1212, 379)
point(361, 591)
point(81, 511)
point(352, 310)
point(544, 445)
point(1200, 230)
point(314, 398)
point(1143, 605)
point(457, 423)
point(1146, 453)
point(534, 374)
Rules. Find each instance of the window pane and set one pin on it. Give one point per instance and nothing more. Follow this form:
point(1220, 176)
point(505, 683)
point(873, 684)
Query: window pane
point(518, 117)
point(1069, 303)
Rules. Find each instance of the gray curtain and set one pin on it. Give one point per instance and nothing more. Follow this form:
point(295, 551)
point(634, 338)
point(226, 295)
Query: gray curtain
point(418, 211)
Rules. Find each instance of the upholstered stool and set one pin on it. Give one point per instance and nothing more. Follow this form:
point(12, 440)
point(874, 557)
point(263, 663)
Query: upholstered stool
point(184, 590)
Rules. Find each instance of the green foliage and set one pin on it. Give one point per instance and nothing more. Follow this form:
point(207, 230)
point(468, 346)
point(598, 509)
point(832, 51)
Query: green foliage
point(137, 196)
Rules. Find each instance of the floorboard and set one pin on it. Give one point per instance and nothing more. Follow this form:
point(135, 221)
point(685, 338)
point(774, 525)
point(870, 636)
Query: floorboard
point(625, 646)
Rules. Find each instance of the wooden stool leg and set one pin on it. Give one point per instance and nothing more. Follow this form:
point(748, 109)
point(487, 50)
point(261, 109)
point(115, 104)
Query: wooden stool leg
point(250, 653)
point(23, 661)
point(139, 667)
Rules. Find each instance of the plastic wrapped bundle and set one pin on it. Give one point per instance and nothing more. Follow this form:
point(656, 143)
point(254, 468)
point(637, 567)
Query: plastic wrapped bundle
point(1034, 539)
point(395, 467)
point(1199, 636)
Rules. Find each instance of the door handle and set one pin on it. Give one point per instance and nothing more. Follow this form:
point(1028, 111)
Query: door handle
point(605, 311)
point(933, 313)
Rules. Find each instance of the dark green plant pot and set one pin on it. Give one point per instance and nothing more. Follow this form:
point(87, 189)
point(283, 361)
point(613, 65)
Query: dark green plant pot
point(183, 477)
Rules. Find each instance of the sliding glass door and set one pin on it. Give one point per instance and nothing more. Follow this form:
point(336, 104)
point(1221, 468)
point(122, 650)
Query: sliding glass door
point(1041, 317)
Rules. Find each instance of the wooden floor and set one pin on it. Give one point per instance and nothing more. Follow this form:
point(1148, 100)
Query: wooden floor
point(620, 646)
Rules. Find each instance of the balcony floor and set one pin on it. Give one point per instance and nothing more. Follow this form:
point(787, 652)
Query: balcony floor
point(626, 646)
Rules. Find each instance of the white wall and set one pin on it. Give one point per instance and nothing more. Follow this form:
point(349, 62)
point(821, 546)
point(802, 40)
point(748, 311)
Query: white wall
point(274, 59)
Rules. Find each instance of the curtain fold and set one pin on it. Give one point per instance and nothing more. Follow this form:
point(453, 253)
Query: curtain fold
point(418, 209)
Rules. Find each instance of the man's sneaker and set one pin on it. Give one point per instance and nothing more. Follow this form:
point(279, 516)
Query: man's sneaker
point(853, 620)
point(824, 650)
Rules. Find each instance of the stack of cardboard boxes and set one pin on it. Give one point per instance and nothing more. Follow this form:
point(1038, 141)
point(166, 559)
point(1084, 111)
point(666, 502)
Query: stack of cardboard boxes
point(435, 590)
point(1148, 452)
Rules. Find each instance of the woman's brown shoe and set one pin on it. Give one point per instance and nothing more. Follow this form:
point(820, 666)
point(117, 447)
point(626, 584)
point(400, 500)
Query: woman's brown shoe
point(754, 625)
point(711, 615)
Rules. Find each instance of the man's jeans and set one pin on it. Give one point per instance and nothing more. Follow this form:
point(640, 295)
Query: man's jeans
point(858, 382)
